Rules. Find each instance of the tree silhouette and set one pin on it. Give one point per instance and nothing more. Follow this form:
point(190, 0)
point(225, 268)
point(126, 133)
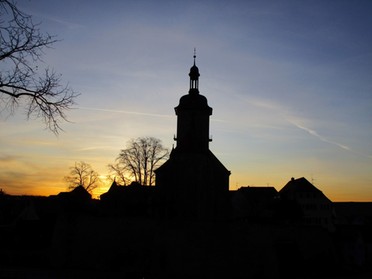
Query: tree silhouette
point(139, 160)
point(22, 83)
point(118, 173)
point(82, 174)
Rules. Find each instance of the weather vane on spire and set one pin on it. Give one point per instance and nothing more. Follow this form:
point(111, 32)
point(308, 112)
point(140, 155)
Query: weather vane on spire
point(194, 54)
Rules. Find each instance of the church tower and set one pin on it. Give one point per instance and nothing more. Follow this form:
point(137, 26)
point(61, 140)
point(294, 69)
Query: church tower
point(193, 184)
point(193, 118)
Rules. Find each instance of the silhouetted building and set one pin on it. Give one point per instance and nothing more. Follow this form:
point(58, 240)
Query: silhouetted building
point(317, 209)
point(353, 237)
point(254, 203)
point(133, 200)
point(193, 183)
point(77, 199)
point(353, 213)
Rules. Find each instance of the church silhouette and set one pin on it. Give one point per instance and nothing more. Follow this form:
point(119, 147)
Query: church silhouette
point(193, 183)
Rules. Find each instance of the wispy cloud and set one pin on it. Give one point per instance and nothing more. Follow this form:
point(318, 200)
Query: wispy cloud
point(264, 104)
point(67, 24)
point(8, 158)
point(127, 112)
point(44, 16)
point(92, 148)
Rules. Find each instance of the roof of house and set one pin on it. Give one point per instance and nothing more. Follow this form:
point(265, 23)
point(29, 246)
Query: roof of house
point(258, 192)
point(78, 192)
point(300, 185)
point(133, 189)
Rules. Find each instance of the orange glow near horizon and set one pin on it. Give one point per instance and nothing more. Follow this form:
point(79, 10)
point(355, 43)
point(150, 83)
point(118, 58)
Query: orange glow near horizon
point(54, 187)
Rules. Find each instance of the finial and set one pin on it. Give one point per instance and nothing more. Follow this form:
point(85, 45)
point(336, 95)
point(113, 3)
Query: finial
point(194, 54)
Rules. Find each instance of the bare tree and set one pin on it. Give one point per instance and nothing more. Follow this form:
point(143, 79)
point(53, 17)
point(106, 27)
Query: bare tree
point(22, 83)
point(139, 160)
point(118, 174)
point(82, 174)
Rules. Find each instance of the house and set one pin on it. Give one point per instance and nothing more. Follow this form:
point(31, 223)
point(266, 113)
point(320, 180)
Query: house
point(353, 213)
point(254, 203)
point(131, 201)
point(77, 199)
point(317, 209)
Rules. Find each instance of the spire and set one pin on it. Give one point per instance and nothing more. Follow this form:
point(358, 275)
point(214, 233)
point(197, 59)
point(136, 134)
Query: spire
point(194, 77)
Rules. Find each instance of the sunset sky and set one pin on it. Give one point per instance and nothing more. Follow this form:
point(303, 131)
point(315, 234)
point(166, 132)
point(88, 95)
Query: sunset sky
point(290, 84)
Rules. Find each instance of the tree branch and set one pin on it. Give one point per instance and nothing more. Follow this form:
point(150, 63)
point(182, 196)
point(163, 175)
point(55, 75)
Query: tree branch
point(21, 45)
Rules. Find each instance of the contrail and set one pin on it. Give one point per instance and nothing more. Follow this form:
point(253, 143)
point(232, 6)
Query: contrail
point(315, 134)
point(282, 111)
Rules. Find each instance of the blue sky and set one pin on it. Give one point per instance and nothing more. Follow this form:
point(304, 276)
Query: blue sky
point(289, 83)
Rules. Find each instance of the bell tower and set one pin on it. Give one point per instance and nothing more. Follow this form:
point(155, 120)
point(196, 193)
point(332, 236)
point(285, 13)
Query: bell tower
point(193, 184)
point(194, 78)
point(193, 115)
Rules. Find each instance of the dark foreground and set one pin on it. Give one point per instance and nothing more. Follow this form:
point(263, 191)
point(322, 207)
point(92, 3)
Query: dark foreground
point(87, 246)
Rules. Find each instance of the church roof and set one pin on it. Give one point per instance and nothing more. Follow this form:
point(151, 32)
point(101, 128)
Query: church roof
point(194, 72)
point(212, 161)
point(195, 101)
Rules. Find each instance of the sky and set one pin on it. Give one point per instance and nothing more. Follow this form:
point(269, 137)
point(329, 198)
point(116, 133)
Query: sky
point(290, 84)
